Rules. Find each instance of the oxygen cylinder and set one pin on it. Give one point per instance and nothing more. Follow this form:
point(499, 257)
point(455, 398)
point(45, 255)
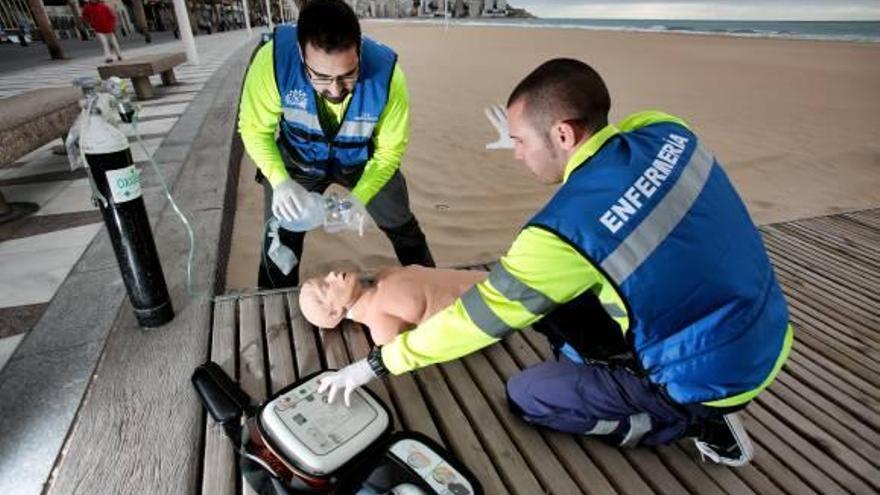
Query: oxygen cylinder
point(118, 180)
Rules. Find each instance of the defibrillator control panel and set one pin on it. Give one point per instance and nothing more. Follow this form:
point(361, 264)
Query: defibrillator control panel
point(320, 436)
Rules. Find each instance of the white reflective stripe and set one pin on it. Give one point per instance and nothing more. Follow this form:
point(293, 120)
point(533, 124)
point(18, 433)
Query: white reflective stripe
point(603, 427)
point(482, 316)
point(515, 290)
point(360, 128)
point(639, 424)
point(614, 310)
point(654, 229)
point(302, 117)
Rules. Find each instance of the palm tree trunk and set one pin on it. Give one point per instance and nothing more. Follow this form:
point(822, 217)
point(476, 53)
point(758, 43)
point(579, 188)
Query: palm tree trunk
point(140, 18)
point(78, 20)
point(45, 27)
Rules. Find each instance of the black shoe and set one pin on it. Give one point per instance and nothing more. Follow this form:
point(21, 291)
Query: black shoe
point(725, 441)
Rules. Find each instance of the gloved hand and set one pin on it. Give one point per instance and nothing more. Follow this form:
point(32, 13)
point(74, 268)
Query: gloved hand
point(288, 200)
point(349, 378)
point(346, 214)
point(497, 116)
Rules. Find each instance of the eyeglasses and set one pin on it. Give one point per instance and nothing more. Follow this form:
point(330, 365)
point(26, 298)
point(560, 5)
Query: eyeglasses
point(319, 79)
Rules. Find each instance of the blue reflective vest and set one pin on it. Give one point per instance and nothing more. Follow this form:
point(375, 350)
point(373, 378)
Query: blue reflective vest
point(301, 129)
point(654, 211)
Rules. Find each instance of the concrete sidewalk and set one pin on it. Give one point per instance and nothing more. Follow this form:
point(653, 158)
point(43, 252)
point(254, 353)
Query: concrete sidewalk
point(37, 252)
point(61, 278)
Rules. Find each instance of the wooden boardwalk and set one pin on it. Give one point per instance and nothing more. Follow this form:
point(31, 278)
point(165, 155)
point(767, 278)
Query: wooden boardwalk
point(816, 429)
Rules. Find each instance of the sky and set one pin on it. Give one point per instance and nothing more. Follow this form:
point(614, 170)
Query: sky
point(806, 10)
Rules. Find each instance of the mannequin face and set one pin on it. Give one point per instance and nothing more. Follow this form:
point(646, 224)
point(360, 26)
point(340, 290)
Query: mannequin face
point(324, 301)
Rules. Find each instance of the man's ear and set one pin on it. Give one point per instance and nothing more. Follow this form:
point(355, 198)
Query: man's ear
point(565, 135)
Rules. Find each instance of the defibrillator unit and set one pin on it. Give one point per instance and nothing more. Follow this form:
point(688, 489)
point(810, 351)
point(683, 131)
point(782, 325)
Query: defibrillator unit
point(296, 442)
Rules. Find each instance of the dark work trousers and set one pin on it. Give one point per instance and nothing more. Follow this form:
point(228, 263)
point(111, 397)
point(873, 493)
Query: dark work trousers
point(602, 396)
point(389, 209)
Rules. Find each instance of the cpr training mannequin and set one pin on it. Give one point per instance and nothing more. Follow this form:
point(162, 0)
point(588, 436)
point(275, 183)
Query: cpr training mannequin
point(395, 299)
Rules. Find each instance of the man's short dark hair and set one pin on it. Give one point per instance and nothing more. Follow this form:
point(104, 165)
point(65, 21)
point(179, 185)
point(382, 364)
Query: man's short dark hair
point(329, 25)
point(563, 89)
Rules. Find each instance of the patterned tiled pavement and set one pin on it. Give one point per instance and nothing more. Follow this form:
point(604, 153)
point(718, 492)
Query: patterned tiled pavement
point(37, 252)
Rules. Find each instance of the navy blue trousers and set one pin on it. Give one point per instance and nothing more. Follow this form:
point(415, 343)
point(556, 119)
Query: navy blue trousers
point(608, 401)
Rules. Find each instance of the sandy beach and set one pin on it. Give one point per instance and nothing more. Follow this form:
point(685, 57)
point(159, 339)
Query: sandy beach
point(795, 124)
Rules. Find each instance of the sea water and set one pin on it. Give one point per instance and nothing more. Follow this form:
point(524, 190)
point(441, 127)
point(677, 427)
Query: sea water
point(857, 31)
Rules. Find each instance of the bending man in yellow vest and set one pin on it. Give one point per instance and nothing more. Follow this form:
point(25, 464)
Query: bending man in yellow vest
point(644, 270)
point(341, 105)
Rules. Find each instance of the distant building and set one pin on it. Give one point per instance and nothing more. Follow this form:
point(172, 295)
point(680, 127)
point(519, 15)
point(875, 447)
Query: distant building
point(431, 8)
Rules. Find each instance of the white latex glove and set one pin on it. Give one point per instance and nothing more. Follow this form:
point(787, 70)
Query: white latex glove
point(497, 116)
point(349, 378)
point(348, 214)
point(288, 200)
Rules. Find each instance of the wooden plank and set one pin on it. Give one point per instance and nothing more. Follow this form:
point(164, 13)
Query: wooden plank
point(807, 460)
point(801, 266)
point(846, 245)
point(568, 453)
point(773, 458)
point(862, 323)
point(744, 479)
point(540, 457)
point(851, 431)
point(836, 254)
point(826, 328)
point(220, 470)
point(867, 218)
point(832, 389)
point(855, 230)
point(851, 362)
point(616, 467)
point(308, 358)
point(414, 415)
point(845, 281)
point(691, 473)
point(814, 360)
point(358, 348)
point(281, 368)
point(495, 440)
point(458, 431)
point(851, 465)
point(857, 294)
point(333, 346)
point(252, 371)
point(852, 325)
point(252, 366)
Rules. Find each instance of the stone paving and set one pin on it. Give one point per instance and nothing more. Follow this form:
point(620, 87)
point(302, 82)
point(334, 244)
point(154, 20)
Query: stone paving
point(37, 252)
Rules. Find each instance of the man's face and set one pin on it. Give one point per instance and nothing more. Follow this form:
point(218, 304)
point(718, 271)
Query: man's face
point(333, 75)
point(534, 146)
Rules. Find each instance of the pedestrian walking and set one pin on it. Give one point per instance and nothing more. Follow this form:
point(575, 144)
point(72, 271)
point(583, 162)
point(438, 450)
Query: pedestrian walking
point(102, 19)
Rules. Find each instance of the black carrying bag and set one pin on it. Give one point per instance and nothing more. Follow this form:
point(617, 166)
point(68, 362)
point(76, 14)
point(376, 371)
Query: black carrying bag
point(403, 462)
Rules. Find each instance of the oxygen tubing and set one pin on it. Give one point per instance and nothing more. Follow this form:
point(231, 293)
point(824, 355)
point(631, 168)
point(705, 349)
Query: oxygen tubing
point(192, 239)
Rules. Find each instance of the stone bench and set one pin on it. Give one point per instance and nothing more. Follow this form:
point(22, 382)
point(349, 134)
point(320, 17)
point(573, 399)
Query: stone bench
point(139, 70)
point(28, 121)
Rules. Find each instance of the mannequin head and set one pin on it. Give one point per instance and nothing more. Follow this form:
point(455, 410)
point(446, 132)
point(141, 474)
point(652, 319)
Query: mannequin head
point(325, 300)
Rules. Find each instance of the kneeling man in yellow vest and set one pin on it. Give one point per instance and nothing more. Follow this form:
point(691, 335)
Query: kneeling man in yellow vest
point(644, 271)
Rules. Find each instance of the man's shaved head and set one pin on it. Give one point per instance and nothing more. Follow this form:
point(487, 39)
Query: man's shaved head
point(563, 89)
